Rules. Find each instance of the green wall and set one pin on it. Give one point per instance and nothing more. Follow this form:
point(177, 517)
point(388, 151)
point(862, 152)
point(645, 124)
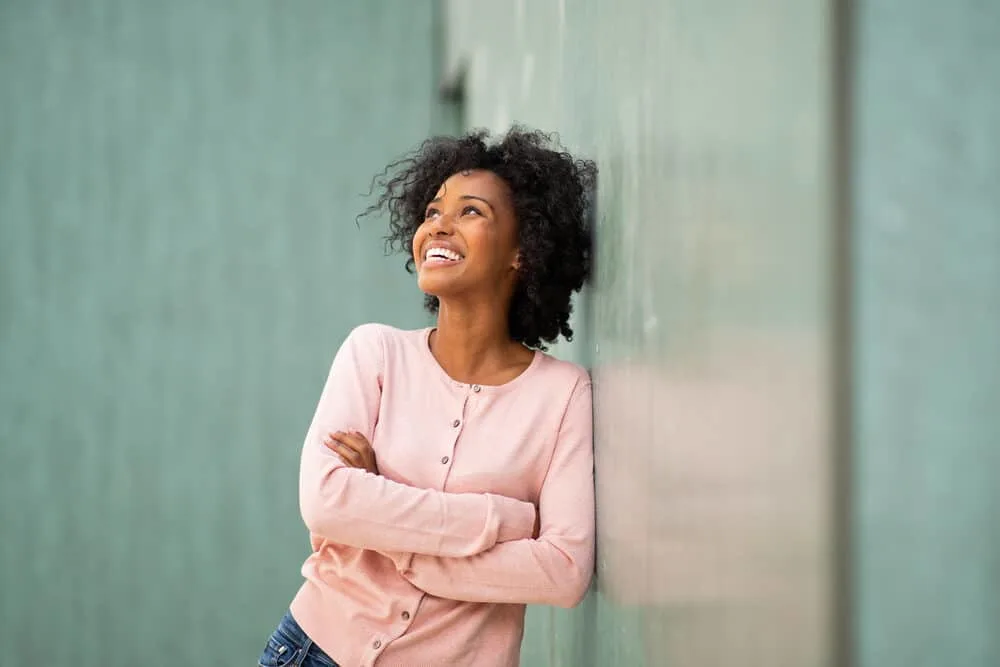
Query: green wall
point(795, 328)
point(710, 324)
point(178, 262)
point(927, 367)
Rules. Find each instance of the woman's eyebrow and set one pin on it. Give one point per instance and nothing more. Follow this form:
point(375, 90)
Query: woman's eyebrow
point(485, 201)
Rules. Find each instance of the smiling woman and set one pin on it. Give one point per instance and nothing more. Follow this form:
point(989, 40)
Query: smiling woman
point(523, 186)
point(447, 476)
point(460, 222)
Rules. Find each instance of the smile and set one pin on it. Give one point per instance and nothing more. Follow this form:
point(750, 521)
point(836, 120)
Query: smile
point(441, 257)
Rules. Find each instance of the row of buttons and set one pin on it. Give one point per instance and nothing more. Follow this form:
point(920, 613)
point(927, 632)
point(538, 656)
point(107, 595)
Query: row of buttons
point(455, 424)
point(377, 644)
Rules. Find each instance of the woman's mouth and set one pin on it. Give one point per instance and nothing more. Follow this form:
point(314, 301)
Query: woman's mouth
point(441, 257)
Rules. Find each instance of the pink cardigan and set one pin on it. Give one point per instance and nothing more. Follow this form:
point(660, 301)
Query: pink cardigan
point(431, 562)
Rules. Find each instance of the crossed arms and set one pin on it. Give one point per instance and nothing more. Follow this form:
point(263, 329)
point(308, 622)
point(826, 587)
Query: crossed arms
point(476, 547)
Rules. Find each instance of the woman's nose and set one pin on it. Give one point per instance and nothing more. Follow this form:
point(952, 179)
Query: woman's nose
point(442, 225)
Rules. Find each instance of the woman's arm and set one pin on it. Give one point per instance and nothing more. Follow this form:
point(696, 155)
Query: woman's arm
point(554, 569)
point(353, 507)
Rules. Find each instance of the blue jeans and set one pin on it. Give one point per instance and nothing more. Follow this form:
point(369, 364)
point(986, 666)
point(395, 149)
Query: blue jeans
point(290, 646)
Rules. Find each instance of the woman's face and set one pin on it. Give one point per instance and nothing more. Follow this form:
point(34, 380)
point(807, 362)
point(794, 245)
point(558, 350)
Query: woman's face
point(467, 244)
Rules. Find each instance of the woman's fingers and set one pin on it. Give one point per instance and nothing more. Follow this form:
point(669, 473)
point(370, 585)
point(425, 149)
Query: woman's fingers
point(353, 448)
point(344, 449)
point(349, 456)
point(354, 440)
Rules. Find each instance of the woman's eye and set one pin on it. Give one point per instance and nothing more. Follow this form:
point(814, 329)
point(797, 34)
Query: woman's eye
point(431, 212)
point(470, 210)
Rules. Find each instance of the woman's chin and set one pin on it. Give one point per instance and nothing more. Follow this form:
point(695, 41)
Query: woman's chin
point(437, 285)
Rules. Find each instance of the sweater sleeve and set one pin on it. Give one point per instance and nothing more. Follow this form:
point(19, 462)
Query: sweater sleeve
point(554, 569)
point(354, 507)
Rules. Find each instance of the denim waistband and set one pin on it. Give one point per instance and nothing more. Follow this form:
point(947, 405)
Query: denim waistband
point(292, 633)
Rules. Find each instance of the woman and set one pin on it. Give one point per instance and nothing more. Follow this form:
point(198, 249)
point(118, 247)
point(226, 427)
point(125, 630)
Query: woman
point(447, 475)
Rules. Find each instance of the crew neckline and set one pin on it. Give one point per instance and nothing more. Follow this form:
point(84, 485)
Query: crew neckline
point(425, 344)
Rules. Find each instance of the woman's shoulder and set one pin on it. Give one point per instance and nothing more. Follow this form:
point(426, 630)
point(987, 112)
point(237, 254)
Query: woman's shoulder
point(379, 331)
point(554, 370)
point(384, 337)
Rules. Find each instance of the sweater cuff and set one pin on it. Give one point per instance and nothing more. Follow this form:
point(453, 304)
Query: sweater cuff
point(517, 519)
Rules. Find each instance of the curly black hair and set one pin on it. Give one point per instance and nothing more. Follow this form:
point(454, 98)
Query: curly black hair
point(551, 191)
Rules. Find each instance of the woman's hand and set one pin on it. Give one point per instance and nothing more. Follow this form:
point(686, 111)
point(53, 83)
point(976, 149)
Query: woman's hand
point(354, 449)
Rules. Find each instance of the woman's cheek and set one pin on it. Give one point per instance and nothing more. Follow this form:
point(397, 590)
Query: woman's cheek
point(417, 240)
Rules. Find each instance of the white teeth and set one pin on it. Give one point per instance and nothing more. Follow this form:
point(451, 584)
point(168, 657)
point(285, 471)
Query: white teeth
point(443, 253)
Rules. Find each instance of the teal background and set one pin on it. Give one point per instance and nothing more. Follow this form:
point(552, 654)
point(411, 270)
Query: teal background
point(794, 327)
point(710, 325)
point(926, 173)
point(179, 260)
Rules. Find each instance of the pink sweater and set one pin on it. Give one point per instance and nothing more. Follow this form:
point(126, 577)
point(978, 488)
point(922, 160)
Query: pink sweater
point(430, 563)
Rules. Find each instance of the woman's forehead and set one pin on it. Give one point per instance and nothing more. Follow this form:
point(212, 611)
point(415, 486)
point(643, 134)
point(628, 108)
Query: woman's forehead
point(474, 182)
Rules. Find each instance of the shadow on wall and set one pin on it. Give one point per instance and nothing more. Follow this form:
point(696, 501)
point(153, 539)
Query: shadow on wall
point(711, 428)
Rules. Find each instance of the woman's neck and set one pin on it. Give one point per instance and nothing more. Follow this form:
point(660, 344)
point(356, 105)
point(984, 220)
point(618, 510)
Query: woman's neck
point(474, 345)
